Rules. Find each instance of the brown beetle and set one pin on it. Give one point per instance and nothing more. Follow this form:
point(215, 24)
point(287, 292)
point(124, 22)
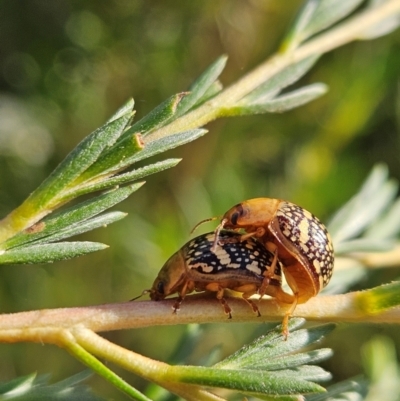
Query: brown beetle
point(297, 238)
point(240, 265)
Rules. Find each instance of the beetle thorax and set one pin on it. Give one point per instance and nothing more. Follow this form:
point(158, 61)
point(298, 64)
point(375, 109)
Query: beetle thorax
point(252, 213)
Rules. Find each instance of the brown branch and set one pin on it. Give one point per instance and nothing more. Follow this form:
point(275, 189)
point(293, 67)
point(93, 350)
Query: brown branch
point(46, 325)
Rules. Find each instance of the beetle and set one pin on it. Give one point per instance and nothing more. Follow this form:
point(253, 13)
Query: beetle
point(244, 266)
point(298, 239)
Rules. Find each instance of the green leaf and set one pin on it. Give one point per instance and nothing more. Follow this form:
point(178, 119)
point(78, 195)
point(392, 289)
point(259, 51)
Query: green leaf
point(157, 117)
point(327, 13)
point(352, 390)
point(374, 197)
point(364, 245)
point(294, 36)
point(110, 161)
point(202, 86)
point(213, 90)
point(19, 382)
point(247, 381)
point(162, 145)
point(380, 298)
point(292, 361)
point(87, 225)
point(279, 104)
point(125, 178)
point(33, 388)
point(267, 352)
point(384, 27)
point(83, 156)
point(267, 367)
point(49, 253)
point(71, 218)
point(125, 109)
point(281, 80)
point(388, 224)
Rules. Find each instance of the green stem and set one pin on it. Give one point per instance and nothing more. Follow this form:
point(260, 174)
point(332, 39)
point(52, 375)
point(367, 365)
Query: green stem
point(158, 372)
point(336, 37)
point(93, 363)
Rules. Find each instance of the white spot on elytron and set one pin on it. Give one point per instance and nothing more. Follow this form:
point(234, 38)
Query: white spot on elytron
point(304, 247)
point(253, 267)
point(233, 266)
point(222, 256)
point(256, 253)
point(303, 227)
point(203, 266)
point(317, 267)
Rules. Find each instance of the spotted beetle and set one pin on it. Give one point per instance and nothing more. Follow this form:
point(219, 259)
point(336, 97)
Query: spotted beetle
point(300, 241)
point(244, 266)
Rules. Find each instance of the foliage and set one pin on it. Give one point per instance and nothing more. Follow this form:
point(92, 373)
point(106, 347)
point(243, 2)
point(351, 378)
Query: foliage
point(35, 232)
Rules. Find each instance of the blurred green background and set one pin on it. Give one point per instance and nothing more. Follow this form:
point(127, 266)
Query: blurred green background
point(66, 66)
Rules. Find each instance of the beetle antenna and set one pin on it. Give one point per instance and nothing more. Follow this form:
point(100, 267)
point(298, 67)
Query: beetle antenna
point(140, 296)
point(203, 221)
point(217, 232)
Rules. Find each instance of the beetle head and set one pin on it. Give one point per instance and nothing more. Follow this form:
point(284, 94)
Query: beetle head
point(171, 277)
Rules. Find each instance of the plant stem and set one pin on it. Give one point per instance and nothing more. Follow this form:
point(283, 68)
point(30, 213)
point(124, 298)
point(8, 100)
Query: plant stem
point(46, 325)
point(147, 368)
point(344, 33)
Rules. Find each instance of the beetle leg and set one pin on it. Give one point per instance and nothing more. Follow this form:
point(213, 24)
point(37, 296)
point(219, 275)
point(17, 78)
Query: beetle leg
point(246, 296)
point(270, 272)
point(260, 231)
point(222, 300)
point(176, 306)
point(293, 286)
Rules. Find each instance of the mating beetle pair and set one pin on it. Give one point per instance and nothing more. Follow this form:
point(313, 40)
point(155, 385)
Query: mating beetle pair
point(278, 237)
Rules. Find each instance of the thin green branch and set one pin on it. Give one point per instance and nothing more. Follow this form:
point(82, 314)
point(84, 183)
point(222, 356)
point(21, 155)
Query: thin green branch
point(147, 368)
point(344, 33)
point(93, 363)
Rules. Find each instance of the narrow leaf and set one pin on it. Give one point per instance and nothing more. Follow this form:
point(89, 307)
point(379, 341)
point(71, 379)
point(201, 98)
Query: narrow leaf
point(281, 80)
point(376, 194)
point(388, 225)
point(279, 104)
point(364, 245)
point(213, 90)
point(352, 390)
point(246, 381)
point(270, 348)
point(200, 87)
point(49, 253)
point(306, 372)
point(111, 160)
point(380, 298)
point(162, 145)
point(295, 34)
point(71, 217)
point(15, 385)
point(84, 155)
point(157, 117)
point(326, 14)
point(384, 27)
point(88, 225)
point(31, 388)
point(125, 109)
point(292, 361)
point(125, 178)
